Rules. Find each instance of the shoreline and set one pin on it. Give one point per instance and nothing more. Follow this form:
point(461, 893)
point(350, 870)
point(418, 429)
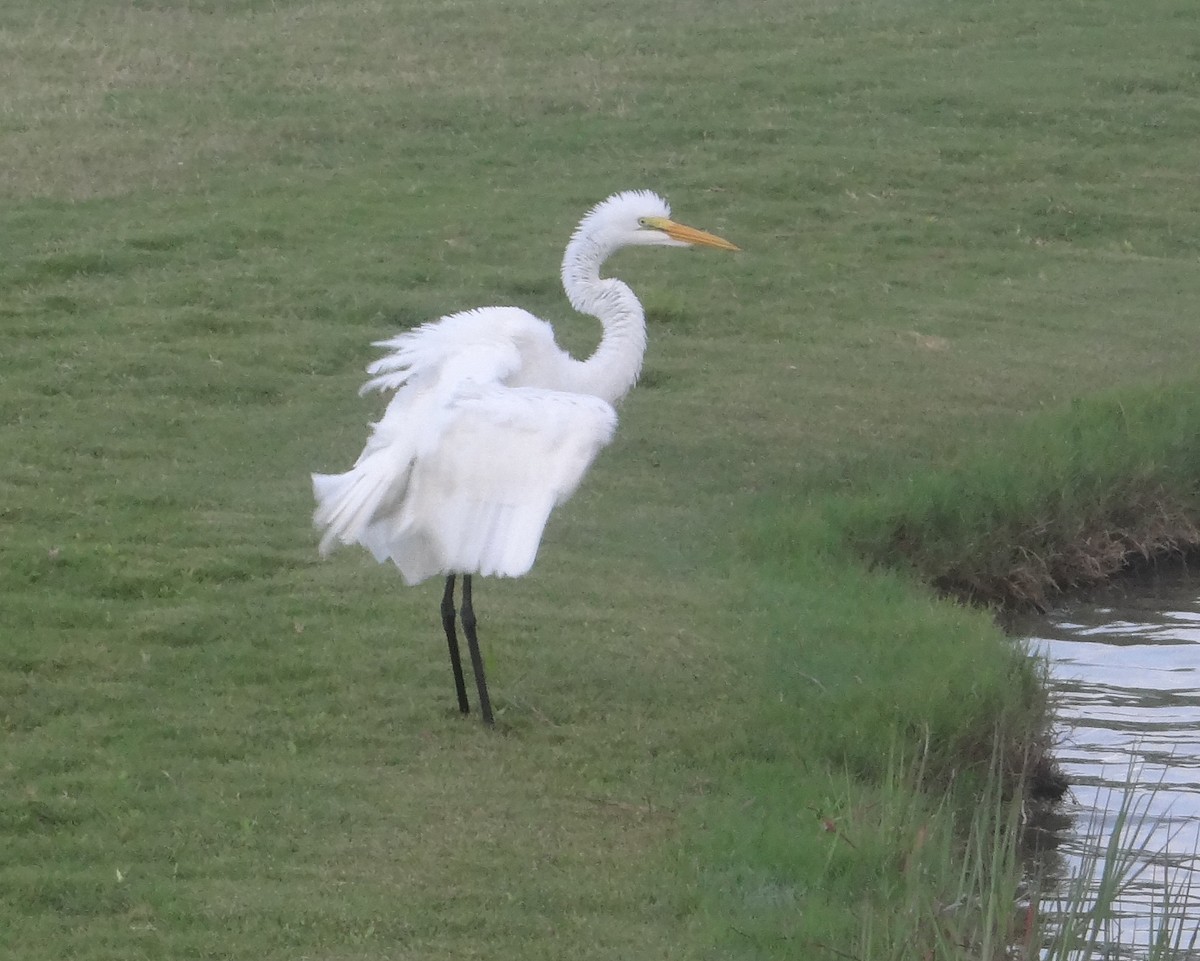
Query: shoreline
point(936, 561)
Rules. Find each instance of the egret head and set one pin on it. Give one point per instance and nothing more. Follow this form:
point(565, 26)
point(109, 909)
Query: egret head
point(642, 218)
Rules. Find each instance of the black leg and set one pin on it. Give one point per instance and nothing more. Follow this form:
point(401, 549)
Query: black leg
point(460, 685)
point(468, 623)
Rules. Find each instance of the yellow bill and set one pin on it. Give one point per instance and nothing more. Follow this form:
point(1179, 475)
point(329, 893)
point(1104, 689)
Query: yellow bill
point(689, 235)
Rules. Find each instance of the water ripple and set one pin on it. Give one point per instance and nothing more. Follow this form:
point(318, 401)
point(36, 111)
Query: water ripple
point(1125, 672)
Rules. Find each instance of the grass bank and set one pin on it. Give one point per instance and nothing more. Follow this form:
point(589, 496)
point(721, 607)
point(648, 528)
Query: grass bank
point(718, 727)
point(1066, 501)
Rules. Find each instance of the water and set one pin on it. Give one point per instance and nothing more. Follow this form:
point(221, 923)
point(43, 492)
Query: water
point(1125, 669)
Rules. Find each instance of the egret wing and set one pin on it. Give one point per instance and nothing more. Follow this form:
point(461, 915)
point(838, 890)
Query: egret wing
point(426, 368)
point(494, 341)
point(478, 501)
point(462, 471)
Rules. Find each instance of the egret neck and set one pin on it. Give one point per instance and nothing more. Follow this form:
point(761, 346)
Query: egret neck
point(613, 367)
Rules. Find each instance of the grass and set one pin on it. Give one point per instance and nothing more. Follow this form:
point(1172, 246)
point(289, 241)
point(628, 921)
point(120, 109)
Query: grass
point(988, 897)
point(1090, 917)
point(955, 218)
point(1069, 501)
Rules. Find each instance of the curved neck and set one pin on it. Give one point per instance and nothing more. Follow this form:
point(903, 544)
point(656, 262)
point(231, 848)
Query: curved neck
point(613, 368)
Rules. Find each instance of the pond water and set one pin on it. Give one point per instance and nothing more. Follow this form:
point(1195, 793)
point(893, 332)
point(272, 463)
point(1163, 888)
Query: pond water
point(1125, 670)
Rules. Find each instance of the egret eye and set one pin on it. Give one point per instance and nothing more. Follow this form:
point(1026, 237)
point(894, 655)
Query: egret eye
point(643, 222)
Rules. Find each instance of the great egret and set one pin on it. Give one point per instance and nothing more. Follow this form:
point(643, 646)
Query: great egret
point(493, 425)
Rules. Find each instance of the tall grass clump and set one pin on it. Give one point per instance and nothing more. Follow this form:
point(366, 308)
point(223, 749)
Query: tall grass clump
point(964, 894)
point(980, 889)
point(1095, 912)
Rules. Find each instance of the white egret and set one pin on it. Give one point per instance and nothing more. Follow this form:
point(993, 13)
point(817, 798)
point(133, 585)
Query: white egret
point(493, 424)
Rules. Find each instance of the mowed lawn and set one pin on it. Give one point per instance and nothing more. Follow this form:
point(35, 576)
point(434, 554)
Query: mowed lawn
point(214, 744)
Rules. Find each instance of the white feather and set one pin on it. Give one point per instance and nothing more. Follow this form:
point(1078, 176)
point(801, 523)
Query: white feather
point(462, 470)
point(480, 501)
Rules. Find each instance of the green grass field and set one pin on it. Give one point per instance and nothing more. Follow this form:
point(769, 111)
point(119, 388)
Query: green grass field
point(954, 216)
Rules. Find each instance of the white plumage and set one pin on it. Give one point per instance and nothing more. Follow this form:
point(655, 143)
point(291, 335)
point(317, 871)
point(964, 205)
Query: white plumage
point(462, 471)
point(492, 424)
